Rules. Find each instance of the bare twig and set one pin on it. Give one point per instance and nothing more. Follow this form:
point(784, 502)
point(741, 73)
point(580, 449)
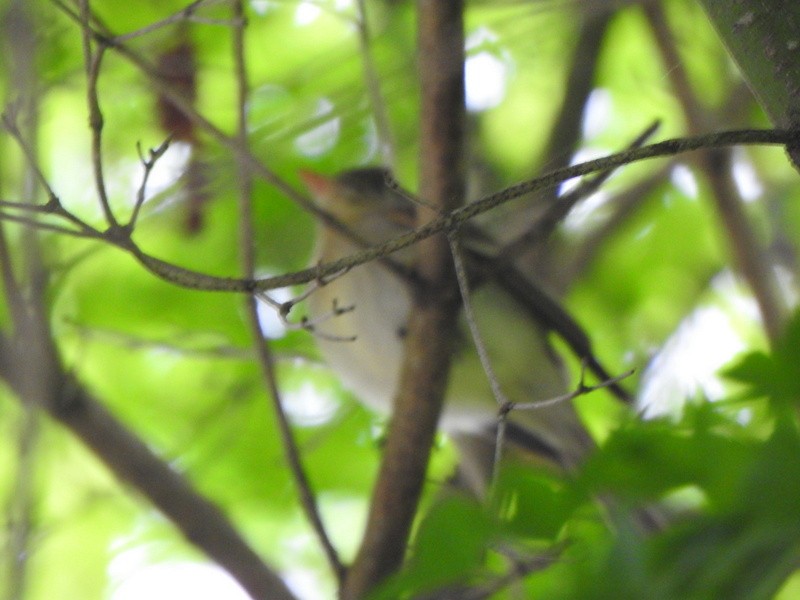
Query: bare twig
point(53, 205)
point(103, 35)
point(305, 323)
point(196, 280)
point(566, 131)
point(37, 225)
point(556, 211)
point(19, 507)
point(147, 163)
point(506, 409)
point(23, 287)
point(520, 569)
point(30, 365)
point(625, 204)
point(15, 299)
point(581, 390)
point(483, 355)
point(373, 85)
point(463, 287)
point(10, 119)
point(92, 61)
point(263, 350)
point(186, 14)
point(187, 346)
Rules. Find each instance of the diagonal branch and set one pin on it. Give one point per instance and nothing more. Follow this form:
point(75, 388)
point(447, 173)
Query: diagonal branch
point(29, 364)
point(749, 253)
point(196, 280)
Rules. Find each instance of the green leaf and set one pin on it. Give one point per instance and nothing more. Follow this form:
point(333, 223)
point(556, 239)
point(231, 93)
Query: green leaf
point(773, 375)
point(532, 503)
point(449, 547)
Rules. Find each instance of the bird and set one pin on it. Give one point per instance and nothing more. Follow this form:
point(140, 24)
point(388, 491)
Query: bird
point(360, 319)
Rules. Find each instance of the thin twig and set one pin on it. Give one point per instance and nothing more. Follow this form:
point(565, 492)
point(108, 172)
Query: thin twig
point(53, 205)
point(148, 164)
point(263, 350)
point(191, 279)
point(311, 325)
point(581, 390)
point(187, 346)
point(105, 37)
point(31, 366)
point(196, 280)
point(521, 569)
point(188, 13)
point(463, 286)
point(556, 211)
point(43, 209)
point(201, 521)
point(748, 251)
point(373, 85)
point(37, 225)
point(567, 127)
point(670, 147)
point(15, 299)
point(506, 409)
point(666, 148)
point(22, 497)
point(499, 446)
point(92, 61)
point(483, 354)
point(10, 118)
point(624, 205)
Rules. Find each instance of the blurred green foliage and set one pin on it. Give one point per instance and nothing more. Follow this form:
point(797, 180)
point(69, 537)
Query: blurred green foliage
point(176, 364)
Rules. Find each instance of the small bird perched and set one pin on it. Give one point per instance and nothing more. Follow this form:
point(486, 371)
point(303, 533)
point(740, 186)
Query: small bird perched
point(364, 343)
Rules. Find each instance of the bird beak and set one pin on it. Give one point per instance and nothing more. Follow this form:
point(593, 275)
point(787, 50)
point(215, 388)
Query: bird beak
point(320, 186)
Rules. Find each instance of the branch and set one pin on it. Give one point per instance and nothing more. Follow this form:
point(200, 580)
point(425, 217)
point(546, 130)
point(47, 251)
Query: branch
point(625, 205)
point(93, 62)
point(103, 35)
point(762, 37)
point(566, 131)
point(29, 365)
point(186, 14)
point(148, 163)
point(432, 321)
point(373, 85)
point(558, 208)
point(196, 280)
point(749, 253)
point(191, 279)
point(264, 353)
